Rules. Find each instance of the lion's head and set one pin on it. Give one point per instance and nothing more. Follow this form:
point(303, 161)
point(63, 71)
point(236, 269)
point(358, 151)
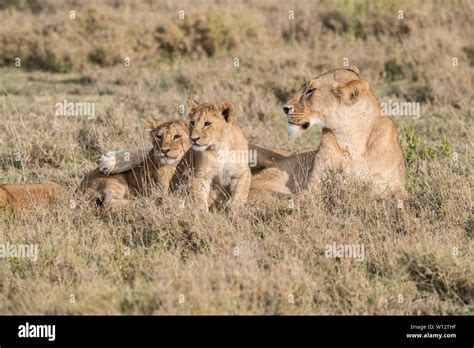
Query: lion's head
point(208, 122)
point(170, 140)
point(322, 100)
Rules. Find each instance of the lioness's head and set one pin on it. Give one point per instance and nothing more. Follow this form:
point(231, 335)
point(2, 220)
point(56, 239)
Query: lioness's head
point(321, 100)
point(208, 122)
point(170, 140)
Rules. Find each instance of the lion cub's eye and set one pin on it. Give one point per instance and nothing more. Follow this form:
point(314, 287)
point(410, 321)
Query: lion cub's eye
point(177, 137)
point(159, 137)
point(310, 91)
point(207, 124)
point(191, 123)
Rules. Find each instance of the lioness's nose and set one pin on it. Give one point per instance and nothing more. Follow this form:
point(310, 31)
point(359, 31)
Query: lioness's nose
point(288, 109)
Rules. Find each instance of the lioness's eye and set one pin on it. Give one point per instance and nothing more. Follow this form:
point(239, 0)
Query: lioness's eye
point(176, 137)
point(207, 124)
point(192, 123)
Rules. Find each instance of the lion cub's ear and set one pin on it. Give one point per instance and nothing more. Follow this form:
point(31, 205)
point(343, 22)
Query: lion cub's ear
point(352, 91)
point(354, 69)
point(153, 123)
point(227, 110)
point(191, 104)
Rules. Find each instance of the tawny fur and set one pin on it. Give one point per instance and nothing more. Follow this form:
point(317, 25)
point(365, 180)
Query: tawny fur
point(357, 138)
point(215, 138)
point(20, 197)
point(170, 144)
point(114, 162)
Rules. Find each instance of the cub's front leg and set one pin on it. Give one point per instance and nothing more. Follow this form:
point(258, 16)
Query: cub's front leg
point(239, 191)
point(114, 162)
point(201, 192)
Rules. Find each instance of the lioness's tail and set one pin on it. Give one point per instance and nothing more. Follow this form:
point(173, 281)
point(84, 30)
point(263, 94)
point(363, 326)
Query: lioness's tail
point(21, 196)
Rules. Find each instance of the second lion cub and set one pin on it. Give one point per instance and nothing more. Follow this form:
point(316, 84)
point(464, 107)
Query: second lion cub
point(221, 151)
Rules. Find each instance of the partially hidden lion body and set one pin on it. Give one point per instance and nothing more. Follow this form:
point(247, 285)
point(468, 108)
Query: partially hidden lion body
point(19, 197)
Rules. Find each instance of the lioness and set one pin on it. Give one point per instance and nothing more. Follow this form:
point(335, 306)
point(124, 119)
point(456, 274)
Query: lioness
point(170, 144)
point(221, 153)
point(357, 138)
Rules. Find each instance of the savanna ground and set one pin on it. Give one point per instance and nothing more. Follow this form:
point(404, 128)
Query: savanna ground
point(161, 256)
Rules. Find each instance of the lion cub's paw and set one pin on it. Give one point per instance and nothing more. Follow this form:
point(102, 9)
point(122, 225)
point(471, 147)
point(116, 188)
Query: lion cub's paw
point(107, 162)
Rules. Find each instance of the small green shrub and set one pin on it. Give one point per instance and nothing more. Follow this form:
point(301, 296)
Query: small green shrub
point(394, 71)
point(470, 54)
point(416, 152)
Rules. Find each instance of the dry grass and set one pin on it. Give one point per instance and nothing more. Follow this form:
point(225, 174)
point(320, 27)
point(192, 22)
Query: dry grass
point(418, 259)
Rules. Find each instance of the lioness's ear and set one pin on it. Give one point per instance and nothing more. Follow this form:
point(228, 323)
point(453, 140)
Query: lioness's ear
point(191, 104)
point(351, 92)
point(227, 110)
point(153, 123)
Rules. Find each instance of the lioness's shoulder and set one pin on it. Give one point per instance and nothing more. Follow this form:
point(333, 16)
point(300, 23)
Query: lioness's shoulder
point(384, 131)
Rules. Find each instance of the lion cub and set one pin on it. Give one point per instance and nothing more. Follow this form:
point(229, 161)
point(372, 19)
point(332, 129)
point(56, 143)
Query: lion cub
point(170, 144)
point(221, 152)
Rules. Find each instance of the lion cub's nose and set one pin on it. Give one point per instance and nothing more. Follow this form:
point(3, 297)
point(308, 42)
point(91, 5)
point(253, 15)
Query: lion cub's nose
point(194, 139)
point(165, 151)
point(288, 109)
